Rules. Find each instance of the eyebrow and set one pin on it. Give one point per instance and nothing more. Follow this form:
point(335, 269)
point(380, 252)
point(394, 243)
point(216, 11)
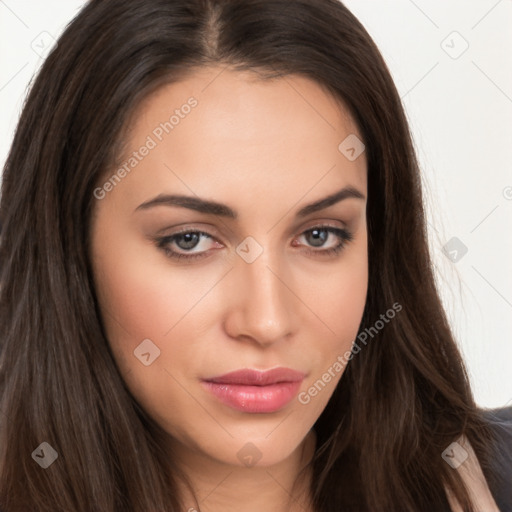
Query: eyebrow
point(222, 210)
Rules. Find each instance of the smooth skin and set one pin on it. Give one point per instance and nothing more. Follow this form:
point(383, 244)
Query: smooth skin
point(265, 149)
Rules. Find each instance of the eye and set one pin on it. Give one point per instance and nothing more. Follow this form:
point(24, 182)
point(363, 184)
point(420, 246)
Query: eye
point(317, 237)
point(185, 241)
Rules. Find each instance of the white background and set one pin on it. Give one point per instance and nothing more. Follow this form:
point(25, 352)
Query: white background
point(459, 106)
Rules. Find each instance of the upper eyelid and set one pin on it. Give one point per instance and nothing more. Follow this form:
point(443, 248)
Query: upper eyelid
point(203, 233)
point(313, 225)
point(344, 235)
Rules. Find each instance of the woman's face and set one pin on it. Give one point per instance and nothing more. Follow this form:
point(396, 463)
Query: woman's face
point(263, 287)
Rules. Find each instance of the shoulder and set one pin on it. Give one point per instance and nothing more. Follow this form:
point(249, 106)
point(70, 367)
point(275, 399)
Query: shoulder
point(494, 494)
point(500, 422)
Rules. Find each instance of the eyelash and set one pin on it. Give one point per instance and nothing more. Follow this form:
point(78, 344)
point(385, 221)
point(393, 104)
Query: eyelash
point(344, 236)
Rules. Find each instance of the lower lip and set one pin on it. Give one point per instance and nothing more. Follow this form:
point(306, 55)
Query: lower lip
point(254, 399)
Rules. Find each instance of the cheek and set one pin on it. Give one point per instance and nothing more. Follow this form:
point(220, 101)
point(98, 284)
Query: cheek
point(339, 300)
point(143, 297)
point(141, 300)
point(130, 295)
point(139, 294)
point(339, 296)
point(345, 302)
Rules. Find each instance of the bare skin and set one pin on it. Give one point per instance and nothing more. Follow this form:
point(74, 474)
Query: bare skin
point(265, 149)
point(473, 476)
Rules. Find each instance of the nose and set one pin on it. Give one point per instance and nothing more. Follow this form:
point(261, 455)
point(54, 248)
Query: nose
point(262, 303)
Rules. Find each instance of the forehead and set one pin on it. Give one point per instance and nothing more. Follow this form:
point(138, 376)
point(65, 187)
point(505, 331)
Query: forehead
point(218, 129)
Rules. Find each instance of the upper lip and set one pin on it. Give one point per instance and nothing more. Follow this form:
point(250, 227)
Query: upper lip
point(250, 377)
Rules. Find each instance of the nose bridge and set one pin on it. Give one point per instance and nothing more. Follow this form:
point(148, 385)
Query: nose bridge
point(264, 303)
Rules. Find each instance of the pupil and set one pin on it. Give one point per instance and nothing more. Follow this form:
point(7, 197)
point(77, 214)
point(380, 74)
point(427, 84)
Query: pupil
point(190, 239)
point(319, 240)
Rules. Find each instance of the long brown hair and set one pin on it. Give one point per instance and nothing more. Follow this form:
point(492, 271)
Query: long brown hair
point(400, 402)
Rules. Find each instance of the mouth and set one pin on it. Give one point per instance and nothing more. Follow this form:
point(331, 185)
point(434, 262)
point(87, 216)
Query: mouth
point(254, 391)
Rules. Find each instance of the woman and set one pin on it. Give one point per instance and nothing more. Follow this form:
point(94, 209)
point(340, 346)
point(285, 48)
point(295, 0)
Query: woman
point(216, 286)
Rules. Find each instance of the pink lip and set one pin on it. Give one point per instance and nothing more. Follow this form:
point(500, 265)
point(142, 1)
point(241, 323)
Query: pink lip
point(256, 391)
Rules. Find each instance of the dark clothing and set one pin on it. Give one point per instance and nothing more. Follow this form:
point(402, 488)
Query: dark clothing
point(501, 423)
